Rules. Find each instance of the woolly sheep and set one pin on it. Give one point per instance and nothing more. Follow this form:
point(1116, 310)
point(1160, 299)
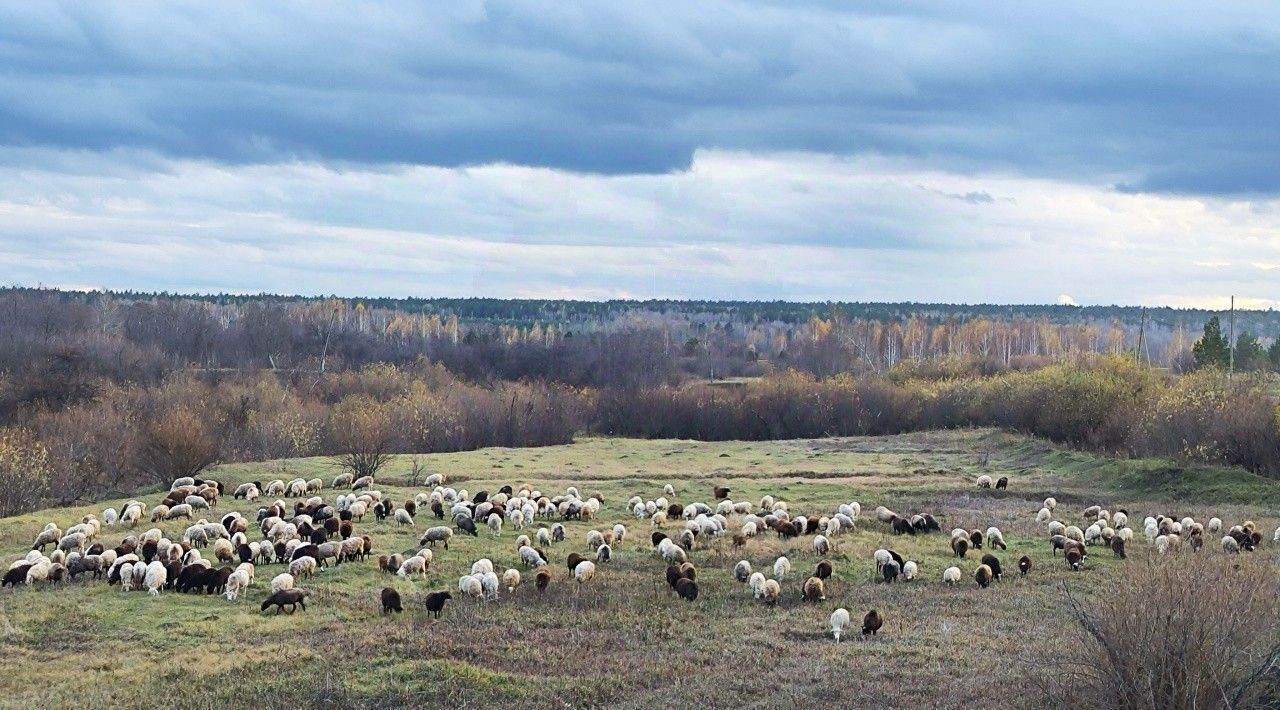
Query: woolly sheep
point(584, 571)
point(1056, 528)
point(756, 583)
point(1050, 503)
point(1229, 545)
point(984, 481)
point(413, 566)
point(909, 570)
point(284, 580)
point(511, 579)
point(772, 592)
point(951, 575)
point(303, 567)
point(237, 584)
point(1119, 520)
point(439, 533)
point(742, 571)
point(1215, 525)
point(403, 517)
point(781, 567)
point(813, 590)
point(839, 620)
point(481, 566)
point(489, 585)
point(995, 538)
point(1043, 515)
point(604, 553)
point(821, 545)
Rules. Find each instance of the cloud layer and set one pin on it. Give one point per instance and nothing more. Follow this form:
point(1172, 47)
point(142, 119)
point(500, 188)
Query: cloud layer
point(922, 151)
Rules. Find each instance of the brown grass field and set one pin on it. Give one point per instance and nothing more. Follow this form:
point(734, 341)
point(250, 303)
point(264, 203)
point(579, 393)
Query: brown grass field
point(624, 639)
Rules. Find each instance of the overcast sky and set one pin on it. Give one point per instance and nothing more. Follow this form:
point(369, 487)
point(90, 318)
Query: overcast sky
point(1026, 152)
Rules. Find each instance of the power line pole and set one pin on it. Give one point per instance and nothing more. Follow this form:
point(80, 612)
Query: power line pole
point(1142, 332)
point(1231, 369)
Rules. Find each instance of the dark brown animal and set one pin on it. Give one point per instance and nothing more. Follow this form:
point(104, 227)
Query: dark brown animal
point(292, 598)
point(673, 576)
point(994, 563)
point(390, 601)
point(435, 603)
point(739, 541)
point(1074, 557)
point(824, 570)
point(657, 537)
point(902, 526)
point(573, 560)
point(975, 539)
point(1003, 483)
point(1117, 546)
point(720, 492)
point(959, 546)
point(1024, 566)
point(814, 590)
point(542, 579)
point(871, 623)
point(983, 576)
point(687, 589)
point(688, 571)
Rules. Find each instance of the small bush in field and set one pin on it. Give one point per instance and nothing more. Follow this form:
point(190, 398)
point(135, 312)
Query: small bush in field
point(1188, 631)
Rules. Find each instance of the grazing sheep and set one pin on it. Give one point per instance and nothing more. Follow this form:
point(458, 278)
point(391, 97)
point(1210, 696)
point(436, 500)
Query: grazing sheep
point(511, 579)
point(984, 481)
point(541, 579)
point(1050, 503)
point(1230, 545)
point(435, 602)
point(771, 592)
point(687, 589)
point(436, 534)
point(995, 538)
point(1074, 557)
point(1024, 566)
point(470, 586)
point(814, 590)
point(821, 545)
point(994, 563)
point(983, 576)
point(839, 620)
point(890, 571)
point(1043, 515)
point(390, 600)
point(742, 571)
point(1215, 525)
point(156, 577)
point(292, 598)
point(910, 570)
point(1003, 483)
point(237, 583)
point(489, 583)
point(403, 517)
point(1118, 545)
point(824, 569)
point(871, 623)
point(603, 554)
point(303, 567)
point(284, 580)
point(959, 546)
point(756, 583)
point(781, 567)
point(1119, 520)
point(415, 565)
point(584, 571)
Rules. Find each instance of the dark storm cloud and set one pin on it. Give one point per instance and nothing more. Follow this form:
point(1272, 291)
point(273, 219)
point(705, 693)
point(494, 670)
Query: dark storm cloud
point(1166, 97)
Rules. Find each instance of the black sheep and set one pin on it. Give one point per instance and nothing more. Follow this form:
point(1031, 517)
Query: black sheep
point(871, 623)
point(994, 563)
point(215, 580)
point(1024, 566)
point(687, 589)
point(890, 571)
point(1003, 483)
point(673, 576)
point(824, 570)
point(245, 552)
point(390, 601)
point(1117, 546)
point(437, 509)
point(190, 578)
point(345, 529)
point(292, 598)
point(435, 602)
point(657, 537)
point(975, 538)
point(480, 497)
point(720, 492)
point(466, 525)
point(319, 536)
point(16, 576)
point(301, 551)
point(902, 526)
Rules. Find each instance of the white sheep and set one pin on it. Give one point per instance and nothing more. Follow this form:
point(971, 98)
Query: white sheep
point(284, 580)
point(481, 566)
point(756, 582)
point(1276, 536)
point(1215, 525)
point(403, 517)
point(821, 545)
point(585, 570)
point(619, 532)
point(511, 579)
point(413, 566)
point(303, 567)
point(951, 575)
point(110, 516)
point(495, 524)
point(909, 570)
point(156, 576)
point(839, 620)
point(1229, 545)
point(237, 584)
point(995, 538)
point(984, 481)
point(1043, 515)
point(781, 567)
point(1050, 503)
point(1119, 520)
point(470, 586)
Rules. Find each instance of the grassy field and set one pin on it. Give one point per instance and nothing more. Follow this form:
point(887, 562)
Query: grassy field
point(623, 640)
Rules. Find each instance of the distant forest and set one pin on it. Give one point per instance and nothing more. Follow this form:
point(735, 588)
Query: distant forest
point(103, 392)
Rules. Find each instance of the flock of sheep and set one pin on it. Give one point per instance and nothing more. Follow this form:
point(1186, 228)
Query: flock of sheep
point(223, 557)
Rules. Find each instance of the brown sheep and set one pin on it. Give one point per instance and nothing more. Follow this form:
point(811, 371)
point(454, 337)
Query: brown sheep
point(689, 572)
point(1074, 557)
point(542, 579)
point(959, 546)
point(390, 601)
point(975, 539)
point(1117, 545)
point(292, 598)
point(871, 623)
point(824, 570)
point(739, 541)
point(720, 492)
point(435, 602)
point(1024, 566)
point(573, 560)
point(673, 576)
point(982, 576)
point(814, 590)
point(687, 589)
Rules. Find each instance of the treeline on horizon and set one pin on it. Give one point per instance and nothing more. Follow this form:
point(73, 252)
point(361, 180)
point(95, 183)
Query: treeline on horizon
point(103, 393)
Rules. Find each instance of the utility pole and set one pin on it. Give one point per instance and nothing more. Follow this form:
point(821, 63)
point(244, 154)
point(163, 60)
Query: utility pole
point(1231, 369)
point(1142, 332)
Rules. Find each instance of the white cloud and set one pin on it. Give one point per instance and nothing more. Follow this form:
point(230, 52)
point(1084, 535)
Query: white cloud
point(1065, 299)
point(735, 225)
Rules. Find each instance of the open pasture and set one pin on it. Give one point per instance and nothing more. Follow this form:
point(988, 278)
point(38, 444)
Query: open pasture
point(624, 639)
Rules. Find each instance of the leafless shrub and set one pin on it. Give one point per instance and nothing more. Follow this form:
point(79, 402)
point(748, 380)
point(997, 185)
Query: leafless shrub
point(1188, 631)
